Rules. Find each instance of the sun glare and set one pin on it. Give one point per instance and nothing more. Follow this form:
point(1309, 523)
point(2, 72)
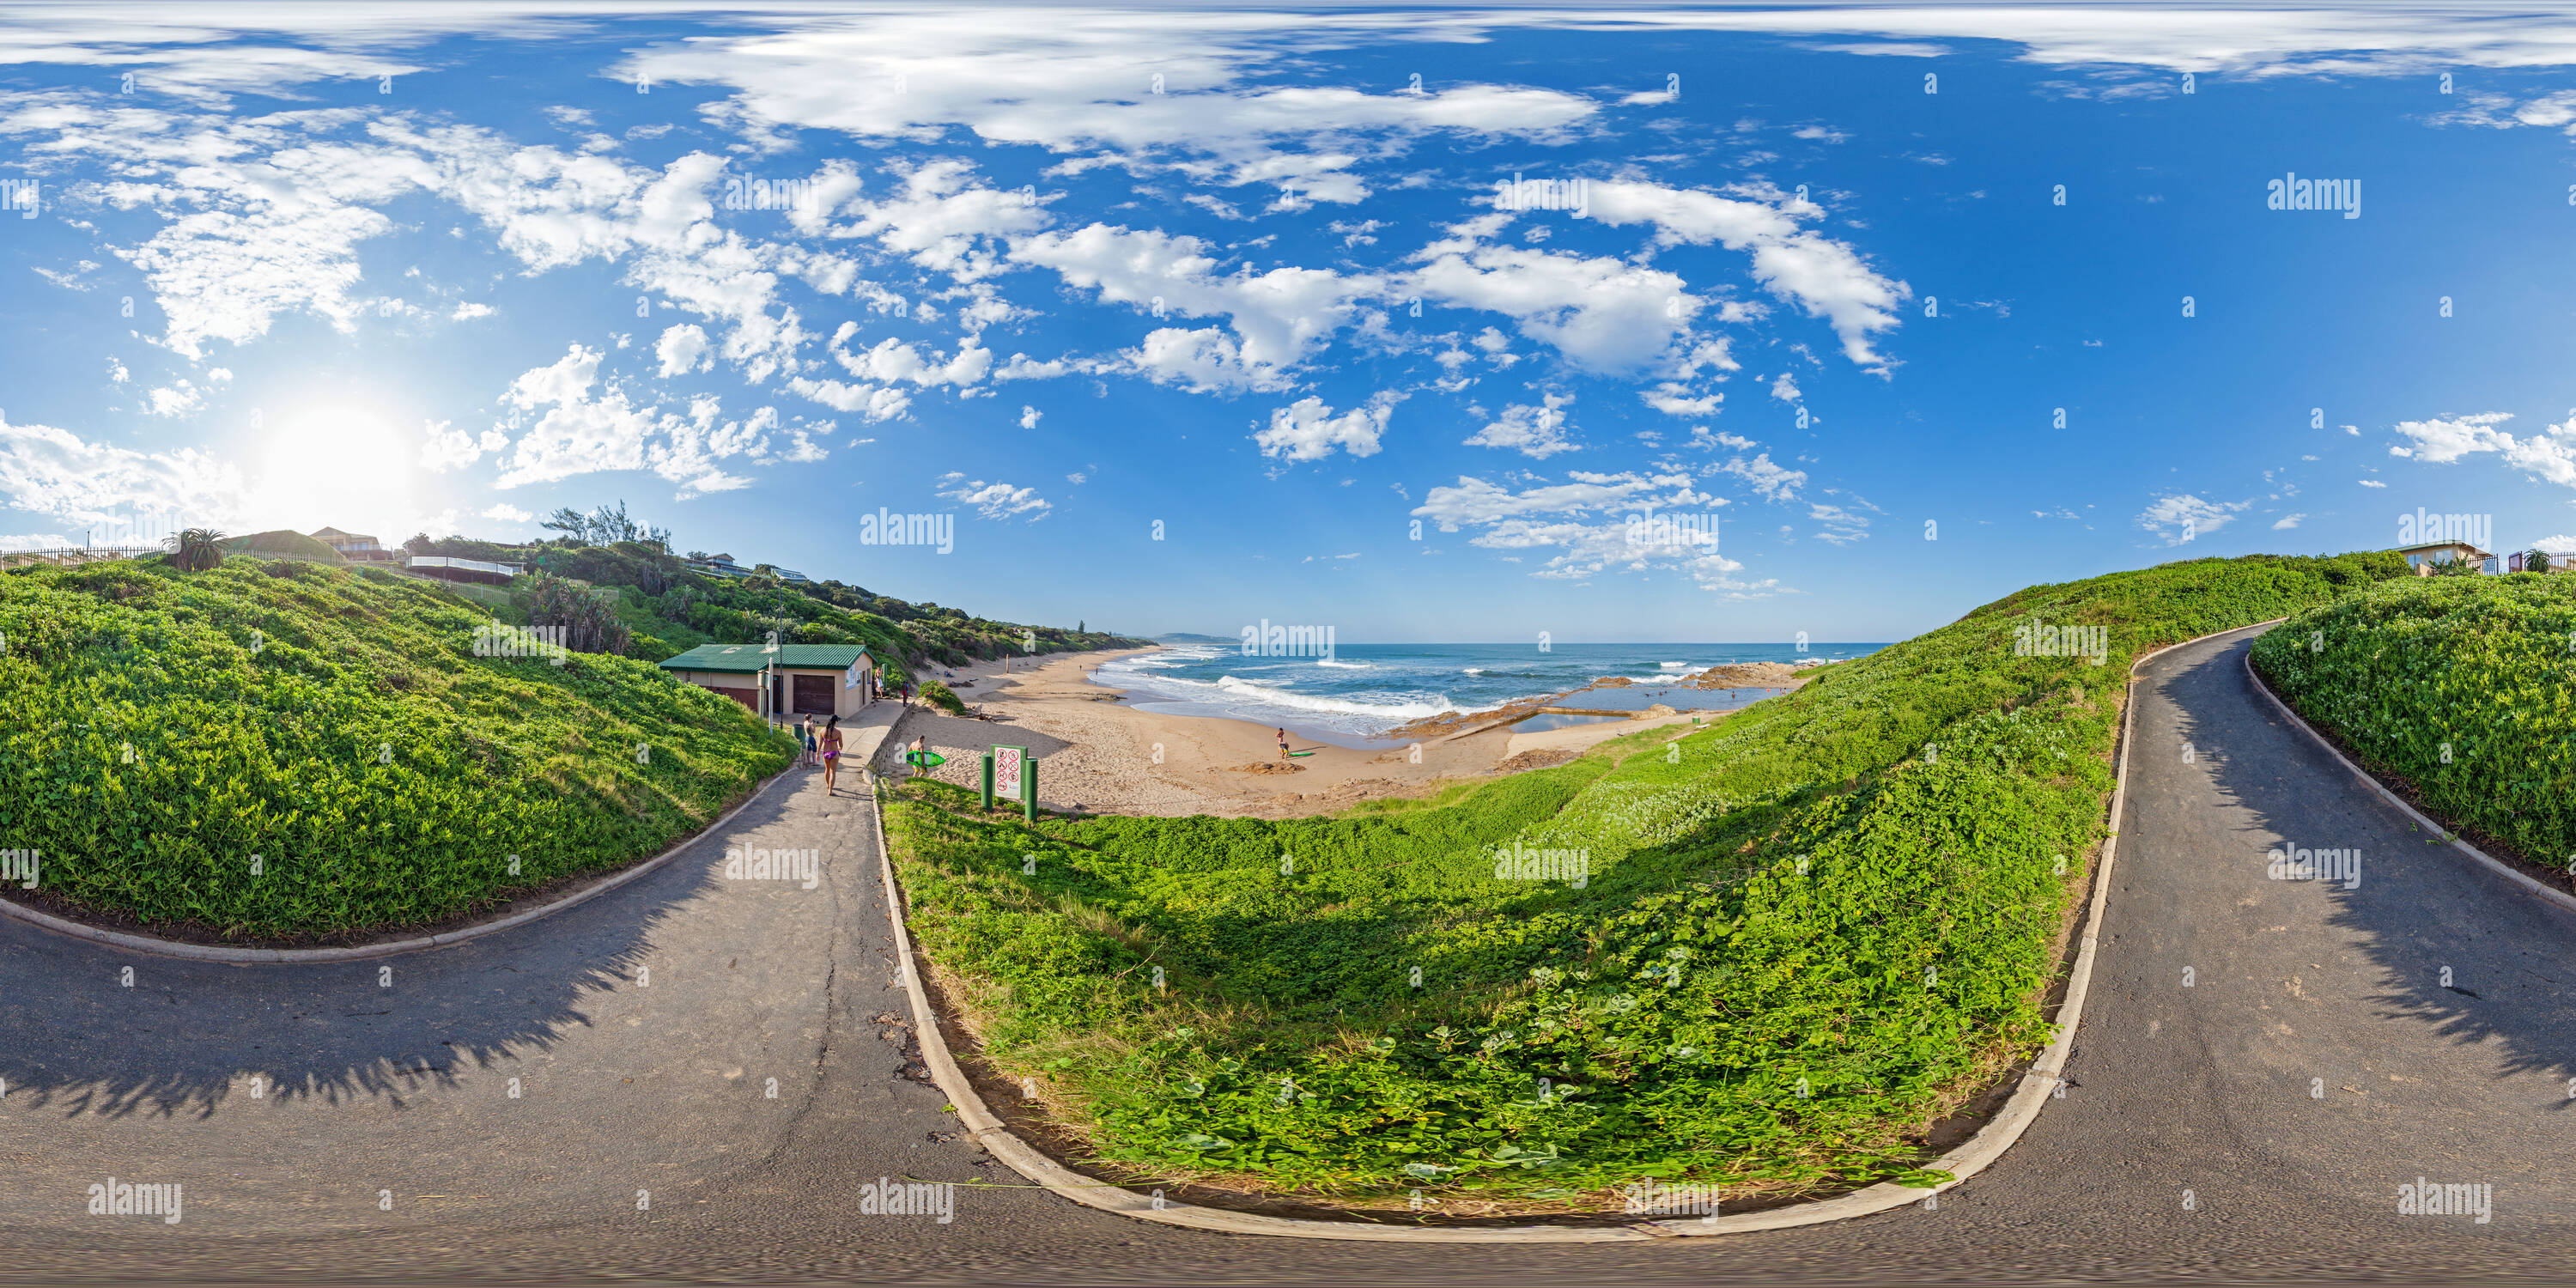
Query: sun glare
point(339, 465)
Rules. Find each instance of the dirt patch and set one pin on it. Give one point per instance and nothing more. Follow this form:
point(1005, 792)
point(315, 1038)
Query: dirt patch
point(1533, 760)
point(1271, 767)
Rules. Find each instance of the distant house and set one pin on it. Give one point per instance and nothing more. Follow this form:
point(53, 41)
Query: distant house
point(718, 567)
point(802, 679)
point(790, 574)
point(2421, 558)
point(2557, 563)
point(355, 546)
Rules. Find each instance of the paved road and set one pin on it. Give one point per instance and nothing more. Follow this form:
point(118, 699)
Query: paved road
point(364, 1088)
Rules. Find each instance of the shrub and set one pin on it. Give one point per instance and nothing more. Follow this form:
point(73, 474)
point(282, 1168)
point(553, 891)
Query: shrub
point(939, 695)
point(163, 728)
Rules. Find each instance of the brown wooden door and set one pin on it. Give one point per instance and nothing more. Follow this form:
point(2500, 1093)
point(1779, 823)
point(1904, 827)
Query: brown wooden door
point(813, 695)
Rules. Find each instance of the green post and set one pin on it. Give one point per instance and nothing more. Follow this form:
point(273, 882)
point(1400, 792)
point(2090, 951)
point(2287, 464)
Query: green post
point(988, 782)
point(1029, 788)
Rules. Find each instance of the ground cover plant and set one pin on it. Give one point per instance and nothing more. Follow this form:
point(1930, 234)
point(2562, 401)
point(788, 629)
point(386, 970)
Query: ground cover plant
point(2457, 686)
point(1763, 956)
point(162, 728)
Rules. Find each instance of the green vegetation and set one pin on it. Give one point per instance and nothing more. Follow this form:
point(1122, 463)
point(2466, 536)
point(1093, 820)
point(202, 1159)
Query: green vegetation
point(1804, 933)
point(2460, 688)
point(941, 696)
point(280, 544)
point(164, 727)
point(661, 607)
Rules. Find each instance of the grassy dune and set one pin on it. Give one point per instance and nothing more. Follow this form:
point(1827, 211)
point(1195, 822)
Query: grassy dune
point(2464, 688)
point(163, 728)
point(1804, 934)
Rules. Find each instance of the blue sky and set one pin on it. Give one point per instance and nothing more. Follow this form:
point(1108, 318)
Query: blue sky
point(398, 268)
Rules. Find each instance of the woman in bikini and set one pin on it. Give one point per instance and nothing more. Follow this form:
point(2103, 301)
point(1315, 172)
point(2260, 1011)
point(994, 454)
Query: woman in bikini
point(831, 753)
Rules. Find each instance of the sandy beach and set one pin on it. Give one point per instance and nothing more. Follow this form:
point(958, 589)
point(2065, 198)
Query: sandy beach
point(1100, 755)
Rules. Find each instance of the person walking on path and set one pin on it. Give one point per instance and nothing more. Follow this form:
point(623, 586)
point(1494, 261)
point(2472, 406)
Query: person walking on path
point(813, 755)
point(920, 757)
point(831, 743)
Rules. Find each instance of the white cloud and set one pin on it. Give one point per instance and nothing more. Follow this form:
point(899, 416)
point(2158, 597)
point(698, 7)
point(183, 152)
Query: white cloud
point(178, 399)
point(1029, 417)
point(994, 500)
point(1785, 388)
point(508, 513)
point(1585, 524)
point(1774, 482)
point(2372, 483)
point(2287, 522)
point(1824, 277)
point(55, 473)
point(1278, 316)
point(2182, 517)
point(445, 448)
point(2549, 455)
point(1307, 430)
point(1537, 432)
point(469, 311)
point(682, 349)
point(13, 543)
point(581, 433)
point(1605, 314)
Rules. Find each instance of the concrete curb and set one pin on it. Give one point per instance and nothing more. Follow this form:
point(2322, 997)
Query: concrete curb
point(363, 952)
point(1969, 1158)
point(2547, 893)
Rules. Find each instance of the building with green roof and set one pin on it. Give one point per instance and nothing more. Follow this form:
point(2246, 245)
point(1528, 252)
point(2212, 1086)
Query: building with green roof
point(783, 680)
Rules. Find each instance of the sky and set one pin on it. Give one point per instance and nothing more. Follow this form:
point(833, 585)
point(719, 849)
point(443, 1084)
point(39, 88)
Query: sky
point(1426, 324)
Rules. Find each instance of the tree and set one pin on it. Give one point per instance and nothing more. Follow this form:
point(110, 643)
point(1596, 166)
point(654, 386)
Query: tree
point(1081, 627)
point(2535, 560)
point(2457, 566)
point(698, 555)
point(590, 624)
point(196, 549)
point(420, 544)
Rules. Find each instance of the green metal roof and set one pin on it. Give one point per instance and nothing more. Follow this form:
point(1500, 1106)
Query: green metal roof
point(748, 658)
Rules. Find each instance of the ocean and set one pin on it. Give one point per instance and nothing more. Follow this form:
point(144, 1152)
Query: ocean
point(1355, 696)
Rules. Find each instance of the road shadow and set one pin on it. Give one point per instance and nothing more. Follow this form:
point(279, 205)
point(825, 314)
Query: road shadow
point(2420, 904)
point(186, 1036)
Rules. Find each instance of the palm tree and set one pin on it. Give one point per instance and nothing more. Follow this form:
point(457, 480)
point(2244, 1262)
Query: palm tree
point(195, 550)
point(2535, 560)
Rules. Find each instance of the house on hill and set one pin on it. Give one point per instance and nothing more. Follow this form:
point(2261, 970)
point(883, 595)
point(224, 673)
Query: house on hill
point(2422, 557)
point(355, 547)
point(785, 680)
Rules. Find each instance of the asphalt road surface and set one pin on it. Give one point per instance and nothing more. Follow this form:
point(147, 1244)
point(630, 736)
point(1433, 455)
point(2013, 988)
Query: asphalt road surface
point(2254, 1122)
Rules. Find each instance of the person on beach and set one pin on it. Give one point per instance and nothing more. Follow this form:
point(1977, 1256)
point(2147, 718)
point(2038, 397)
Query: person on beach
point(1283, 744)
point(831, 744)
point(920, 758)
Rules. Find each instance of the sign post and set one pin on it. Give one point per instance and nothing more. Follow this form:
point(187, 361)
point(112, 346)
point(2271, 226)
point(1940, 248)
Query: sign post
point(1029, 788)
point(1010, 767)
point(988, 782)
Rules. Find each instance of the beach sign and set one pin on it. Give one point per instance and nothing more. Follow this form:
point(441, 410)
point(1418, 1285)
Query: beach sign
point(1013, 770)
